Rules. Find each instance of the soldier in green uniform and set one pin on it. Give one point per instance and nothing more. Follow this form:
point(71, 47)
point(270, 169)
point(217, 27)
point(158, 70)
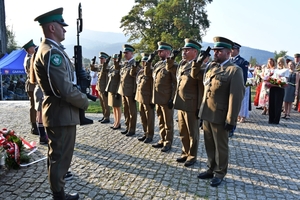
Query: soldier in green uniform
point(62, 99)
point(221, 103)
point(143, 95)
point(164, 86)
point(101, 85)
point(297, 97)
point(127, 90)
point(29, 87)
point(187, 101)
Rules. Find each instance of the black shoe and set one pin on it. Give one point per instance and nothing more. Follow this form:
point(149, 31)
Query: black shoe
point(142, 138)
point(181, 159)
point(44, 140)
point(205, 175)
point(105, 121)
point(259, 108)
point(166, 148)
point(158, 145)
point(215, 181)
point(73, 196)
point(124, 132)
point(100, 120)
point(68, 176)
point(148, 140)
point(118, 127)
point(189, 163)
point(130, 134)
point(34, 131)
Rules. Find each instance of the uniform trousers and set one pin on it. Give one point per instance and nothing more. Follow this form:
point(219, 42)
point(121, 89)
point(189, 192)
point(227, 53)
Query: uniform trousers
point(32, 110)
point(217, 150)
point(104, 105)
point(275, 104)
point(188, 125)
point(130, 113)
point(147, 119)
point(166, 124)
point(60, 152)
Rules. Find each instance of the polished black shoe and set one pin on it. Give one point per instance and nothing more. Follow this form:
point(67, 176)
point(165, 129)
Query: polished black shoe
point(105, 121)
point(118, 127)
point(130, 134)
point(157, 145)
point(205, 175)
point(148, 140)
point(44, 140)
point(73, 196)
point(189, 163)
point(181, 159)
point(100, 120)
point(142, 138)
point(166, 148)
point(124, 132)
point(215, 181)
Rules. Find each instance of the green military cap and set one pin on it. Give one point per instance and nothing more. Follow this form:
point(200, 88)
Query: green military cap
point(115, 56)
point(144, 56)
point(28, 45)
point(236, 45)
point(221, 43)
point(52, 16)
point(297, 55)
point(103, 55)
point(189, 43)
point(164, 46)
point(128, 48)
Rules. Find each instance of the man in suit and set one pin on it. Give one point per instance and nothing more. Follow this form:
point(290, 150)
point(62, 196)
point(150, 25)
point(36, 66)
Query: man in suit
point(224, 92)
point(187, 101)
point(101, 85)
point(164, 86)
point(297, 62)
point(127, 90)
point(143, 95)
point(29, 87)
point(242, 63)
point(62, 99)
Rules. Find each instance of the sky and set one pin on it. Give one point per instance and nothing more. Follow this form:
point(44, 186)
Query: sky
point(271, 25)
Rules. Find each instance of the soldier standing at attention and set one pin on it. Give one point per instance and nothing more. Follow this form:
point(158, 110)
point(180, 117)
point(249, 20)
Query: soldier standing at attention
point(143, 95)
point(127, 90)
point(62, 100)
point(297, 68)
point(29, 87)
point(221, 103)
point(101, 85)
point(164, 86)
point(187, 101)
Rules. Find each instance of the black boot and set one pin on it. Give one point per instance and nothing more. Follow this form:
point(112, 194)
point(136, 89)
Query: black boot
point(59, 195)
point(34, 129)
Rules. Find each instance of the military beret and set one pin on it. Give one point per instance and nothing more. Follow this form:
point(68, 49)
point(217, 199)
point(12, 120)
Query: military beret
point(51, 16)
point(145, 56)
point(164, 46)
point(236, 45)
point(128, 48)
point(103, 55)
point(29, 44)
point(297, 55)
point(189, 43)
point(115, 56)
point(221, 43)
point(202, 51)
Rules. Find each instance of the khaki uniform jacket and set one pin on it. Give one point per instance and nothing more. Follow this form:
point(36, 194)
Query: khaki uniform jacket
point(55, 75)
point(113, 79)
point(164, 82)
point(144, 83)
point(224, 92)
point(102, 78)
point(128, 81)
point(189, 91)
point(28, 86)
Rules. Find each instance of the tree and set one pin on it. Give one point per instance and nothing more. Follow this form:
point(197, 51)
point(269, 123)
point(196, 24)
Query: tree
point(11, 42)
point(149, 22)
point(280, 54)
point(252, 61)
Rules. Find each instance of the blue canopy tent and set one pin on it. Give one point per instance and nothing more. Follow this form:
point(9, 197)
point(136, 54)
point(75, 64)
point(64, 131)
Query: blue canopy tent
point(12, 64)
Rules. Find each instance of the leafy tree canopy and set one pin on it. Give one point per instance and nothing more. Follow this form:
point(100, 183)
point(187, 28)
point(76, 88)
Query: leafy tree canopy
point(11, 40)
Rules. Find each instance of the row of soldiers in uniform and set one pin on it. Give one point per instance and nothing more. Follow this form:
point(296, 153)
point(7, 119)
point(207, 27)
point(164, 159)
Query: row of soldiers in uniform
point(168, 85)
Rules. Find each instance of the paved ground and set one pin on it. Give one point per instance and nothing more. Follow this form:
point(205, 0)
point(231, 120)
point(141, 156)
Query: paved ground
point(264, 163)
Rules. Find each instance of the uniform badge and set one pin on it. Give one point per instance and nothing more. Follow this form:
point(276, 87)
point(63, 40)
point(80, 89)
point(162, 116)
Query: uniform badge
point(56, 59)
